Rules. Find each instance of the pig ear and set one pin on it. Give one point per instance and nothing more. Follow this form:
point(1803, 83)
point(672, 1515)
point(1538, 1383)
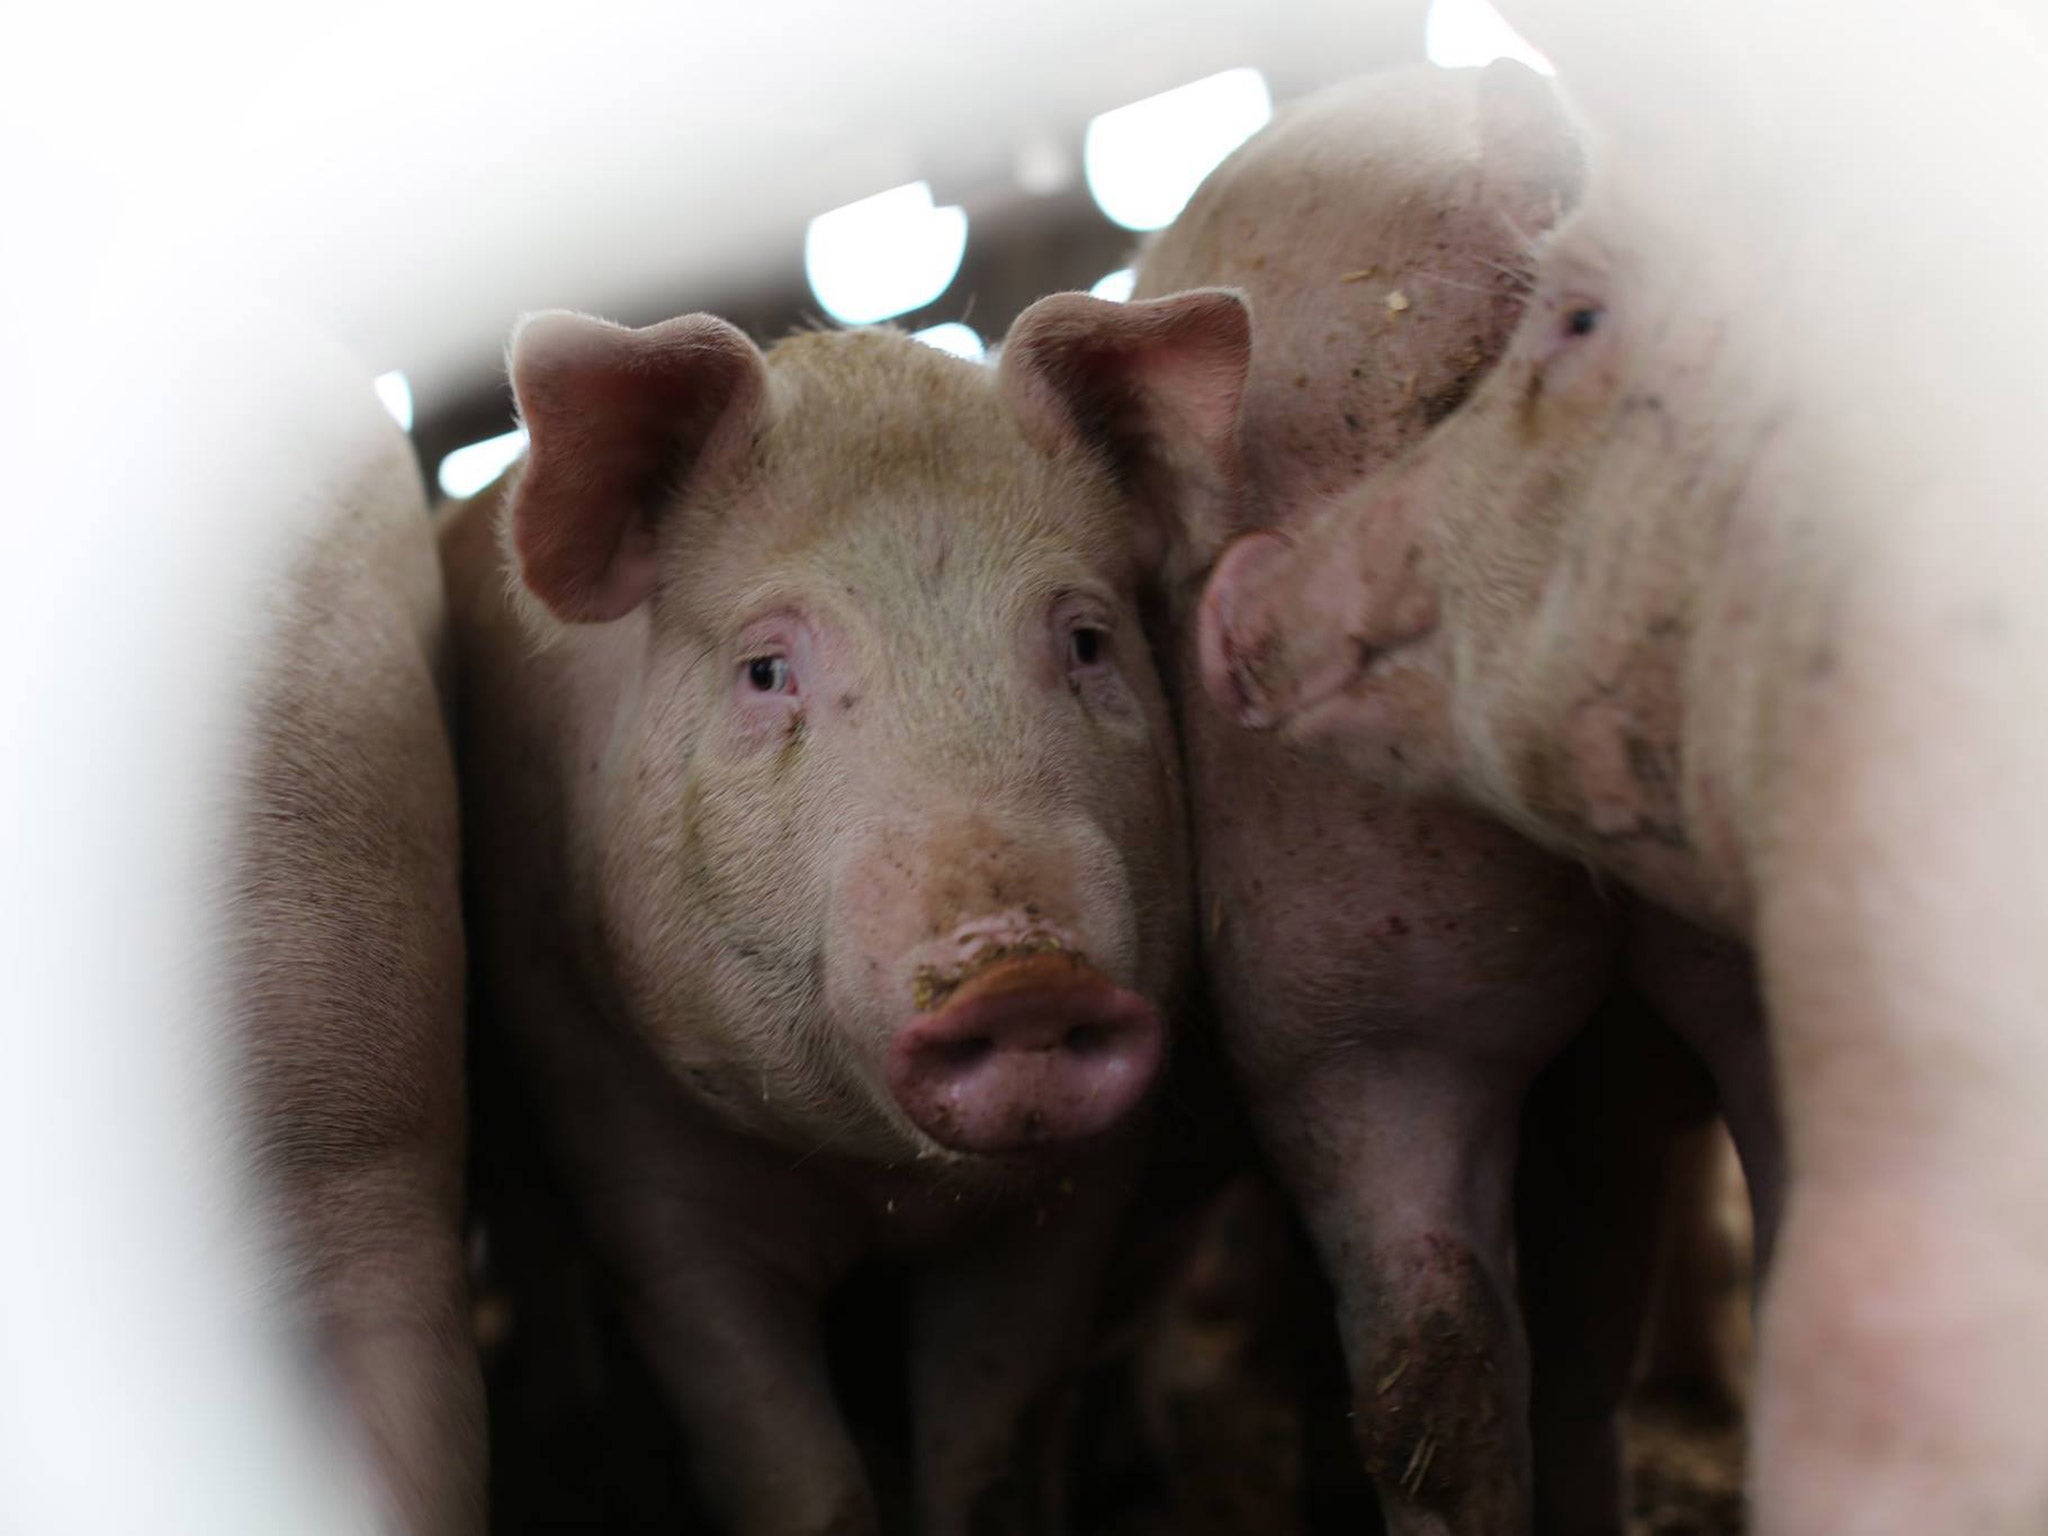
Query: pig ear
point(1153, 386)
point(618, 422)
point(1531, 156)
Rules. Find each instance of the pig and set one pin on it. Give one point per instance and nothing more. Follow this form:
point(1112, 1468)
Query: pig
point(344, 945)
point(1391, 971)
point(1727, 581)
point(827, 865)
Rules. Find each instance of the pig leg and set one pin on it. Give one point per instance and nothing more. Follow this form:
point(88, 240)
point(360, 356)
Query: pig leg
point(1902, 1351)
point(1389, 979)
point(721, 1270)
point(720, 1253)
point(1598, 1136)
point(999, 1331)
point(1706, 988)
point(740, 1354)
point(1403, 1162)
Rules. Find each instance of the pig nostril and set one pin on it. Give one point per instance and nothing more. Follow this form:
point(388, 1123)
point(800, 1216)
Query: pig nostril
point(1086, 1040)
point(968, 1051)
point(1039, 1050)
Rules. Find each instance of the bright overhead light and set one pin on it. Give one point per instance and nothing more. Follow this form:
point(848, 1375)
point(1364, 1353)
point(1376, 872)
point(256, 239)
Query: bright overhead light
point(1116, 286)
point(468, 470)
point(960, 340)
point(1466, 34)
point(1044, 166)
point(884, 255)
point(1144, 161)
point(395, 390)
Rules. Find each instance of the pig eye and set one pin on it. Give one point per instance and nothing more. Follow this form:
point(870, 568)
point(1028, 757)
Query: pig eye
point(770, 674)
point(1561, 342)
point(1090, 665)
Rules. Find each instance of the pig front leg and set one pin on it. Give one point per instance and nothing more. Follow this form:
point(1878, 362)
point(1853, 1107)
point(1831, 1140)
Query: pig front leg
point(1705, 987)
point(719, 1253)
point(722, 1267)
point(740, 1355)
point(1000, 1329)
point(1403, 1162)
point(1390, 976)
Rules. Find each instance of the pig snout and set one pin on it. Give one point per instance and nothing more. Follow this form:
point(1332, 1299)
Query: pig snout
point(1243, 645)
point(1026, 1052)
point(1288, 624)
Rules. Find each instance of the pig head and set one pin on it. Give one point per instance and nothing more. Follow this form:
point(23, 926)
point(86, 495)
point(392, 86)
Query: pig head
point(876, 811)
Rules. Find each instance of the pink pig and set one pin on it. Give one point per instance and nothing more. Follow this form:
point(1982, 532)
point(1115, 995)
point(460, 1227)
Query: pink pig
point(345, 944)
point(1727, 581)
point(828, 860)
point(1390, 970)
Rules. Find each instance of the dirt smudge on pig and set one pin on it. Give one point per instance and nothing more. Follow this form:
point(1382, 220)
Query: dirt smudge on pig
point(931, 985)
point(1428, 1411)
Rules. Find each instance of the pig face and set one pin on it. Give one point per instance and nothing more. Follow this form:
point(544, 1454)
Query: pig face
point(1423, 625)
point(886, 830)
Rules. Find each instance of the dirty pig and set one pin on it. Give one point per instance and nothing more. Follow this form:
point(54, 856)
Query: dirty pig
point(1727, 580)
point(1389, 972)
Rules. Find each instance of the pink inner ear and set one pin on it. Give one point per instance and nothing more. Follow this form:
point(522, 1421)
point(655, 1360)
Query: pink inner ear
point(1192, 390)
point(618, 421)
point(1155, 383)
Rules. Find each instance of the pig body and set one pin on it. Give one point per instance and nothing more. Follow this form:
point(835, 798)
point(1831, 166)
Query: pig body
point(1391, 971)
point(346, 952)
point(828, 874)
point(1727, 581)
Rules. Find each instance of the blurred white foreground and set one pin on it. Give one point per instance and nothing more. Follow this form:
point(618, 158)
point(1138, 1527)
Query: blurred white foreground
point(412, 177)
